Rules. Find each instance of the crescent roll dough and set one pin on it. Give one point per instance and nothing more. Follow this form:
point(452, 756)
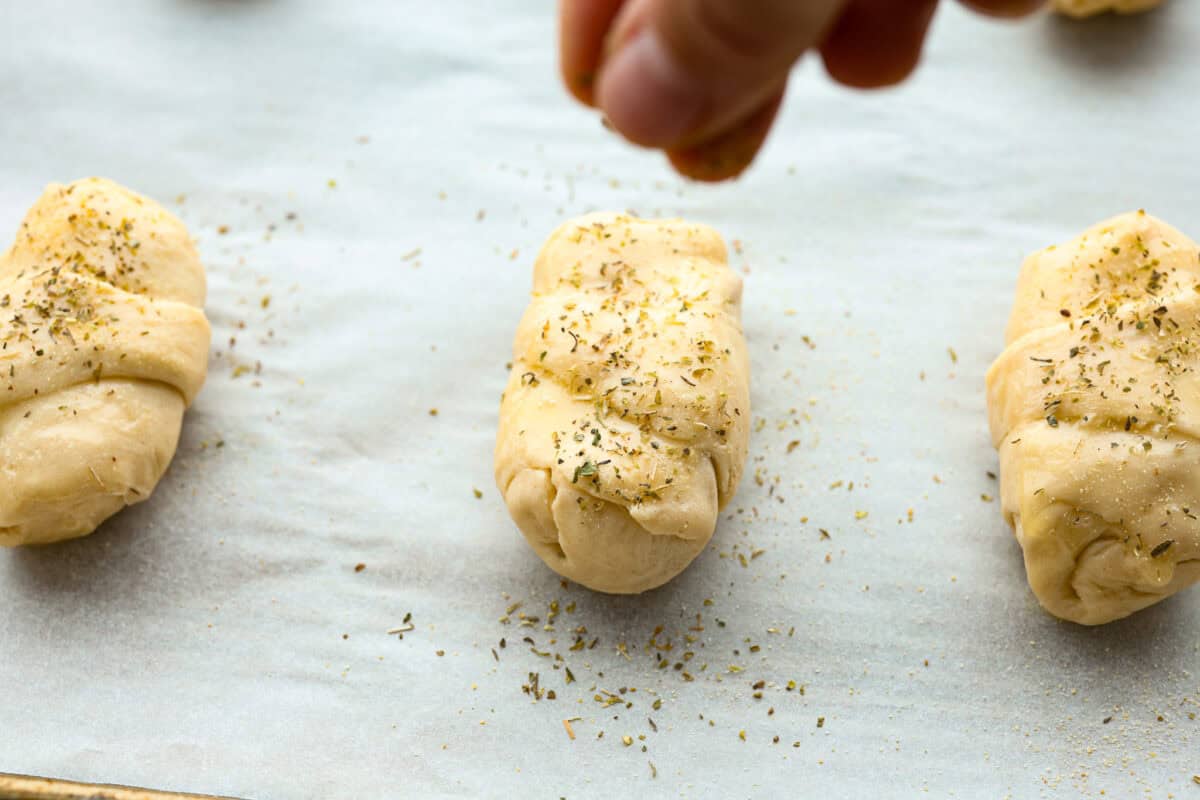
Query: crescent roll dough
point(1088, 8)
point(624, 427)
point(1095, 409)
point(103, 344)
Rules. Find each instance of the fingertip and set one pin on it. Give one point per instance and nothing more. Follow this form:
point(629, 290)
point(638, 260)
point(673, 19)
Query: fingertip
point(582, 86)
point(847, 67)
point(729, 155)
point(877, 43)
point(582, 28)
point(1007, 9)
point(705, 168)
point(647, 96)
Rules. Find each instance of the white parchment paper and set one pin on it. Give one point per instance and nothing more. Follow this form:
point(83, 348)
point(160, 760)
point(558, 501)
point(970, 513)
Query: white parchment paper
point(369, 183)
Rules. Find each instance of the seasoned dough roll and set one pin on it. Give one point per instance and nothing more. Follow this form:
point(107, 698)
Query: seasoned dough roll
point(1095, 409)
point(1088, 8)
point(624, 427)
point(103, 344)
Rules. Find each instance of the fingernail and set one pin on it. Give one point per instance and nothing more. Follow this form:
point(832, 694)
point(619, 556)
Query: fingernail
point(648, 97)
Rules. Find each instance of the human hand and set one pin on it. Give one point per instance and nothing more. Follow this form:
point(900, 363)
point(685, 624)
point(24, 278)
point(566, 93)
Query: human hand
point(703, 80)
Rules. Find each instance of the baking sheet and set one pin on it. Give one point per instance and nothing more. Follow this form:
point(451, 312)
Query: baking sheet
point(386, 172)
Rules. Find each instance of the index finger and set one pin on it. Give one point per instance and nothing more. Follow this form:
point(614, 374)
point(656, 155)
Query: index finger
point(583, 28)
point(1004, 8)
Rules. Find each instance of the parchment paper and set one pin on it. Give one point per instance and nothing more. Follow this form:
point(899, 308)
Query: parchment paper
point(386, 172)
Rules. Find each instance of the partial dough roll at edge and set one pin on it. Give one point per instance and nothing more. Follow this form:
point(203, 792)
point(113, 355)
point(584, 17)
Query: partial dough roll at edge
point(105, 346)
point(1094, 407)
point(625, 423)
point(1090, 8)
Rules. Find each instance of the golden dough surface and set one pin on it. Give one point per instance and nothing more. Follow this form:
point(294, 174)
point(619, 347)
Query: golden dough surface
point(103, 345)
point(1094, 407)
point(625, 423)
point(1089, 8)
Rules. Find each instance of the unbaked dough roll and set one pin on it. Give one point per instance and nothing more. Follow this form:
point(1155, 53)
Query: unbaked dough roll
point(1088, 8)
point(1095, 409)
point(103, 344)
point(624, 427)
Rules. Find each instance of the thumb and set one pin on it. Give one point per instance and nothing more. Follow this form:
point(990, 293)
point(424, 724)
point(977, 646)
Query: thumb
point(681, 71)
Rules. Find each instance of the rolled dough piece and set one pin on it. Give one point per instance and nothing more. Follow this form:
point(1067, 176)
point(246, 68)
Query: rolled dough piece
point(103, 344)
point(1089, 8)
point(1094, 407)
point(624, 426)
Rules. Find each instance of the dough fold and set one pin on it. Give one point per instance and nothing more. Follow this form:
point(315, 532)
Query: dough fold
point(625, 423)
point(1089, 8)
point(103, 344)
point(1094, 407)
